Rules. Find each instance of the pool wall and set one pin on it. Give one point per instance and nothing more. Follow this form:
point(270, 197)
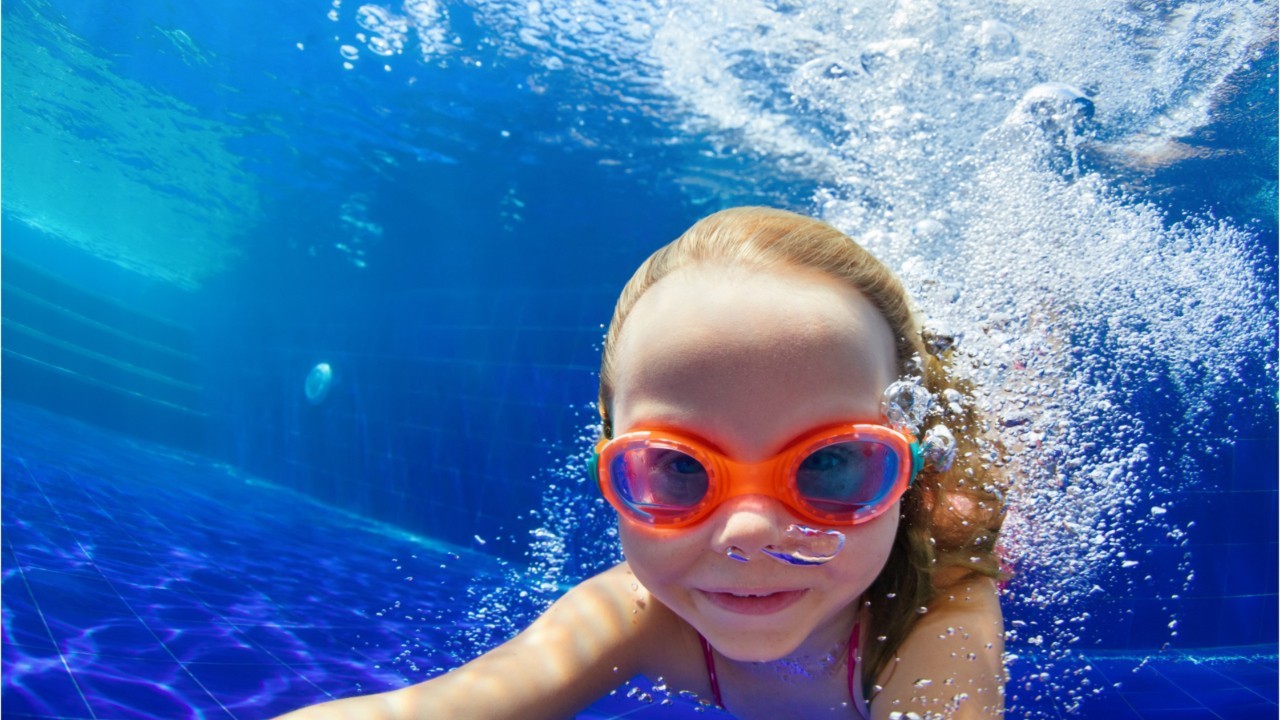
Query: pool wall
point(462, 373)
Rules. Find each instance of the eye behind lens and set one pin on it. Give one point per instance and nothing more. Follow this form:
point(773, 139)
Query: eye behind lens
point(661, 481)
point(841, 481)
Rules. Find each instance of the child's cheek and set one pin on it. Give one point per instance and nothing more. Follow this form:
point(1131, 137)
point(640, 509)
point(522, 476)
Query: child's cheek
point(659, 556)
point(868, 546)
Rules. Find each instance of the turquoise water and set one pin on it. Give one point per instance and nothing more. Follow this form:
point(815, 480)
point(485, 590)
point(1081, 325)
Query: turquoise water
point(440, 201)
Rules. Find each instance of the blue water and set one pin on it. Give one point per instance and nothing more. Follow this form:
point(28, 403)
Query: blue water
point(128, 594)
point(204, 201)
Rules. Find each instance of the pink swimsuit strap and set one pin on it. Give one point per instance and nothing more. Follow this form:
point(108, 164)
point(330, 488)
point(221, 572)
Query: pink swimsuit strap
point(710, 659)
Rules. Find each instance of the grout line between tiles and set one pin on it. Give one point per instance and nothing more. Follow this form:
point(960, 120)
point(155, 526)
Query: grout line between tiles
point(126, 603)
point(216, 613)
point(36, 604)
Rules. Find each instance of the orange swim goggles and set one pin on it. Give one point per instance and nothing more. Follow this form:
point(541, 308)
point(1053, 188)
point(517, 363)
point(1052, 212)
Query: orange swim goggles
point(837, 475)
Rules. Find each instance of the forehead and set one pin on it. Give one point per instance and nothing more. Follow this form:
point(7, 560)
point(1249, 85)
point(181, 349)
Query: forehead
point(746, 356)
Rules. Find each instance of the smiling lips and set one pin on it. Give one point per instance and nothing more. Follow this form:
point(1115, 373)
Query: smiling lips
point(753, 602)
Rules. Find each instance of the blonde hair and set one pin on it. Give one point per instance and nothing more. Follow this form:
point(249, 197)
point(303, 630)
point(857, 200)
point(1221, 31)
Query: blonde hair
point(949, 519)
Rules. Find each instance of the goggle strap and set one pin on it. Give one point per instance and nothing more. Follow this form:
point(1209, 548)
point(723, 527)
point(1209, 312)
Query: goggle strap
point(917, 461)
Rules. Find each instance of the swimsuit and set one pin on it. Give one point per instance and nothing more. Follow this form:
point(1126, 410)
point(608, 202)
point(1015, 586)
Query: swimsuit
point(854, 664)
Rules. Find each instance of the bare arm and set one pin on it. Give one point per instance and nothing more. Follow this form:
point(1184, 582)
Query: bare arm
point(951, 665)
point(588, 642)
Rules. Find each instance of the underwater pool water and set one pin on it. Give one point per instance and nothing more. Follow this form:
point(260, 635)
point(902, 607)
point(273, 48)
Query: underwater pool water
point(146, 581)
point(140, 581)
point(303, 302)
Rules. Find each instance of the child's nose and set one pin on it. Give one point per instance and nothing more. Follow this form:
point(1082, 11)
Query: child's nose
point(748, 523)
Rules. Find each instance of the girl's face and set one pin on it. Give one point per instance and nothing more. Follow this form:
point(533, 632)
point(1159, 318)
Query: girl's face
point(748, 360)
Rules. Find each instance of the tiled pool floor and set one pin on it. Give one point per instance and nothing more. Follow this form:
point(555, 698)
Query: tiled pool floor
point(139, 583)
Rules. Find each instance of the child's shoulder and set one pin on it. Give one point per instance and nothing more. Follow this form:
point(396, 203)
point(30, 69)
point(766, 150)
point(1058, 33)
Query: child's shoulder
point(658, 642)
point(958, 646)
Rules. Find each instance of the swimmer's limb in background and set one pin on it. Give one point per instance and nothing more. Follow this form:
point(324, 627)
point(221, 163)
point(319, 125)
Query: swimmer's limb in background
point(951, 665)
point(585, 645)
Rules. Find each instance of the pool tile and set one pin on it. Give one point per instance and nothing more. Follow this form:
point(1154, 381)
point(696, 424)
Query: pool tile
point(1267, 690)
point(178, 609)
point(1134, 679)
point(1213, 524)
point(1254, 516)
point(190, 642)
point(47, 690)
point(1261, 683)
point(46, 546)
point(1227, 701)
point(132, 688)
point(114, 637)
point(1199, 624)
point(1234, 569)
point(22, 622)
point(275, 640)
point(1168, 699)
point(1255, 464)
point(1249, 618)
point(1193, 678)
point(26, 632)
point(232, 653)
point(277, 698)
point(75, 601)
point(1191, 713)
point(232, 680)
point(1110, 706)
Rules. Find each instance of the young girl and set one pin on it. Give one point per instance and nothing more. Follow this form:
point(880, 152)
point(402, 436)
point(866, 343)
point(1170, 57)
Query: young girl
point(791, 551)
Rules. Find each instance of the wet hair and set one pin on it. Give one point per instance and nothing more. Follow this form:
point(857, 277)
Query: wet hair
point(950, 520)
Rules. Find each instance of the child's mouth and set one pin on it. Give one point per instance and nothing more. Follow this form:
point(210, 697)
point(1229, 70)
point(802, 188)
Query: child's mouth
point(748, 602)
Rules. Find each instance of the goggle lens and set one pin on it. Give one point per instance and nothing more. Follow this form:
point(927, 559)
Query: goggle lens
point(845, 477)
point(661, 484)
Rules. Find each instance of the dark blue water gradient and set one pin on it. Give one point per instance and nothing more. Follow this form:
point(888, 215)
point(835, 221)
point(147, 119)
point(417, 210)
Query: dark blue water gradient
point(143, 582)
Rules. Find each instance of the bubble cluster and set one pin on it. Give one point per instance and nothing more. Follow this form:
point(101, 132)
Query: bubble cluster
point(385, 33)
point(806, 546)
point(574, 536)
point(905, 405)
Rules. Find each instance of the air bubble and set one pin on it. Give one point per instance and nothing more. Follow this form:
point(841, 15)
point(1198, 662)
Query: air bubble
point(905, 404)
point(802, 545)
point(997, 41)
point(319, 382)
point(938, 448)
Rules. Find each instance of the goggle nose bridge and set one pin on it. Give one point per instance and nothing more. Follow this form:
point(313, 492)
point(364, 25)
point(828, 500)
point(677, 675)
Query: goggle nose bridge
point(763, 477)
